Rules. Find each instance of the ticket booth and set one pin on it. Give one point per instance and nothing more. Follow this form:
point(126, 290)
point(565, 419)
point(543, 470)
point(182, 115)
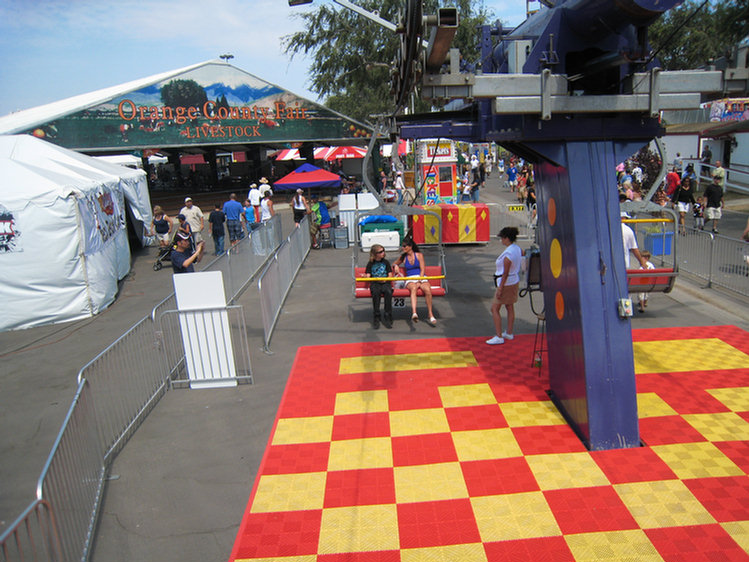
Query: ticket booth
point(437, 165)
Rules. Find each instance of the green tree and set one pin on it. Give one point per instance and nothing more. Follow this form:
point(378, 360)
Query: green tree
point(351, 55)
point(687, 37)
point(183, 93)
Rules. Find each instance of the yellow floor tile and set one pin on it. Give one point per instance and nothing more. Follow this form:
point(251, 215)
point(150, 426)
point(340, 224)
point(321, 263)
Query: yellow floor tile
point(363, 402)
point(514, 516)
point(615, 546)
point(662, 503)
point(359, 529)
point(696, 460)
point(418, 422)
point(678, 356)
point(467, 395)
point(485, 444)
point(407, 362)
point(735, 399)
point(739, 531)
point(303, 430)
point(650, 405)
point(724, 426)
point(523, 414)
point(353, 454)
point(566, 470)
point(452, 553)
point(289, 492)
point(429, 482)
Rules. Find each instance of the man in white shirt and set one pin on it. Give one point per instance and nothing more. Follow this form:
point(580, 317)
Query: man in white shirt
point(630, 245)
point(194, 217)
point(254, 196)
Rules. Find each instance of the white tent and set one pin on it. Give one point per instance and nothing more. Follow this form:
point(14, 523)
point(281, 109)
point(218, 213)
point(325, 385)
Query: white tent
point(63, 240)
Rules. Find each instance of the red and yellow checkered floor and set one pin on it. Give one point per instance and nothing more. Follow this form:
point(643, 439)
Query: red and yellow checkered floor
point(450, 450)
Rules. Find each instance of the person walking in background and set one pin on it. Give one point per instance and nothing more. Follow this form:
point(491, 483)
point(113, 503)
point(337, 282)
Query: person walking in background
point(266, 207)
point(378, 266)
point(233, 210)
point(673, 179)
point(400, 187)
point(194, 217)
point(507, 283)
point(714, 203)
point(216, 219)
point(699, 213)
point(254, 197)
point(249, 220)
point(683, 200)
point(161, 226)
point(720, 173)
point(300, 207)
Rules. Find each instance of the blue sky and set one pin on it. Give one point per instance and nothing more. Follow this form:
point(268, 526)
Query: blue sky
point(54, 49)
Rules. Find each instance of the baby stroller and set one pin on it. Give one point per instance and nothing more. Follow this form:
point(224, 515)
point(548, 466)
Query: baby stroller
point(165, 252)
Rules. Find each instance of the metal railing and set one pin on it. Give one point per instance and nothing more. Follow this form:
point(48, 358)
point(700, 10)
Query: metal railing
point(718, 260)
point(116, 391)
point(736, 180)
point(35, 538)
point(276, 279)
point(518, 215)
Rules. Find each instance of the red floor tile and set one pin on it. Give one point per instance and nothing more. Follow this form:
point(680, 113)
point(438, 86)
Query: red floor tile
point(475, 417)
point(423, 449)
point(727, 499)
point(708, 543)
point(545, 549)
point(359, 487)
point(269, 535)
point(589, 510)
point(639, 464)
point(666, 430)
point(737, 451)
point(500, 476)
point(361, 426)
point(438, 523)
point(291, 459)
point(542, 439)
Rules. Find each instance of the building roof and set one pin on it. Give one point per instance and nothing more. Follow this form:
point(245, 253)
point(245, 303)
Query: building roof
point(209, 104)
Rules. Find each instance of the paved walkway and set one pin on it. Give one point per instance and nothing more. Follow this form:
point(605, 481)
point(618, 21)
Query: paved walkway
point(185, 475)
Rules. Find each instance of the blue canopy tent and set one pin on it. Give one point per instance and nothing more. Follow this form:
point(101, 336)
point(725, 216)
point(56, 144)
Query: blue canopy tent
point(307, 176)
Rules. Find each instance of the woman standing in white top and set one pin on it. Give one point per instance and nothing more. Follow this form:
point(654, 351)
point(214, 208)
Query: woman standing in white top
point(266, 207)
point(300, 207)
point(507, 281)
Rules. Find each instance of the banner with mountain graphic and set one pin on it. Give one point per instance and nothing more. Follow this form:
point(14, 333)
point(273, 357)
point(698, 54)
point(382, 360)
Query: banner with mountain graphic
point(212, 104)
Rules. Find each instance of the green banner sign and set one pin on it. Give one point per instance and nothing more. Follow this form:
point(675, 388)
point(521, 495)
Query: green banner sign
point(214, 103)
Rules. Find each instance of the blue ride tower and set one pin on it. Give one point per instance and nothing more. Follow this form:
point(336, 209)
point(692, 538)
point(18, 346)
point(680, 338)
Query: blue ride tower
point(574, 91)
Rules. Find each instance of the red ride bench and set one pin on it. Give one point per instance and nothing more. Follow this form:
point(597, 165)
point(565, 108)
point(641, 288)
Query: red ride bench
point(651, 280)
point(361, 289)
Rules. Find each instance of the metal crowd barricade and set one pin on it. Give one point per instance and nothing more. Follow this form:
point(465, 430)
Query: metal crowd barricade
point(717, 260)
point(517, 215)
point(276, 279)
point(116, 390)
point(33, 536)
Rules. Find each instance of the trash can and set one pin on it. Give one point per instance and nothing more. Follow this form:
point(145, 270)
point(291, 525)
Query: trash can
point(659, 243)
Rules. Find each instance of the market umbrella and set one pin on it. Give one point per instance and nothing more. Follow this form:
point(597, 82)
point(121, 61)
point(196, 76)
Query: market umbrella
point(307, 176)
point(341, 152)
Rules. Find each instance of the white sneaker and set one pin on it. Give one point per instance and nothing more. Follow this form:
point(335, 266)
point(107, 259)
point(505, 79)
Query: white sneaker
point(507, 336)
point(496, 340)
